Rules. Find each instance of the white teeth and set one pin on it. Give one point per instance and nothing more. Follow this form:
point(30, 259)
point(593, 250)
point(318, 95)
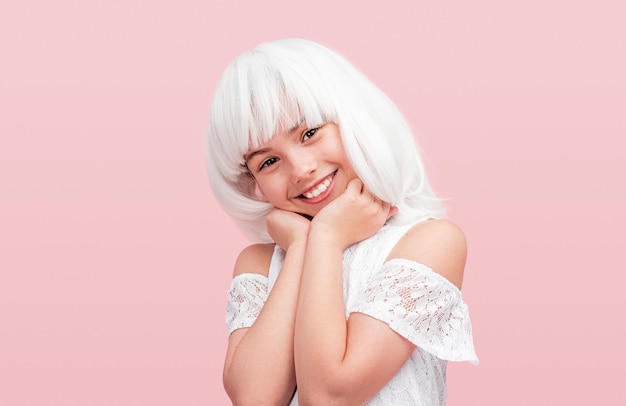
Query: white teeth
point(321, 188)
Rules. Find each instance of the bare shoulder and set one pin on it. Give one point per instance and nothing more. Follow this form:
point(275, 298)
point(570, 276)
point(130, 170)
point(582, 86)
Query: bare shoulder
point(254, 258)
point(438, 244)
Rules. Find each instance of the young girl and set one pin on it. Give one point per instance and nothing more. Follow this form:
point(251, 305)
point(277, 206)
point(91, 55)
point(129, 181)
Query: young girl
point(351, 295)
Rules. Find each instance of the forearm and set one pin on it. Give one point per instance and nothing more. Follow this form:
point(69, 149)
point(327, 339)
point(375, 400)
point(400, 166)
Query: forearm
point(261, 367)
point(321, 330)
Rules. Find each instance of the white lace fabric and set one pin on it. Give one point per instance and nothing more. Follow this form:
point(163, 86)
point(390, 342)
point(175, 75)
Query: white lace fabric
point(246, 297)
point(415, 301)
point(423, 307)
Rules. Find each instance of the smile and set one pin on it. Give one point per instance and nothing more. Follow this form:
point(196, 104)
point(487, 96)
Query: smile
point(320, 188)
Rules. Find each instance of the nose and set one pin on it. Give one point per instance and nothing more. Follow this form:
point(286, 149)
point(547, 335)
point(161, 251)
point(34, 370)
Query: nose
point(303, 165)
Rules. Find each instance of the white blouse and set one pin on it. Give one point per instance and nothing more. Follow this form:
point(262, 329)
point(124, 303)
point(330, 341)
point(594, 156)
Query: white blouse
point(416, 302)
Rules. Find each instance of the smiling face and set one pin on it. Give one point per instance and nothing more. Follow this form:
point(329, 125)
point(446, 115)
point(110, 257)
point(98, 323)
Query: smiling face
point(301, 169)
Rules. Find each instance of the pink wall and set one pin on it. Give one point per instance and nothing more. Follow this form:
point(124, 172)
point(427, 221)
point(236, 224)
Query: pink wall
point(114, 257)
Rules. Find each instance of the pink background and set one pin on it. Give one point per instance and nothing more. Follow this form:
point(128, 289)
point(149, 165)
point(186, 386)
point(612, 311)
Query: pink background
point(115, 258)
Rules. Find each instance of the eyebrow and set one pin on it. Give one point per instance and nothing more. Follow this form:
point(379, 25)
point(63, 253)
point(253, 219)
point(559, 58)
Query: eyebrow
point(249, 156)
point(290, 131)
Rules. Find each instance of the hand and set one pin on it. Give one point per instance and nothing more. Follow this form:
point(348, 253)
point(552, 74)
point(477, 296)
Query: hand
point(354, 216)
point(286, 227)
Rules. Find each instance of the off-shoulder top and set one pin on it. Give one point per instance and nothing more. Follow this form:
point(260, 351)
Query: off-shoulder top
point(412, 299)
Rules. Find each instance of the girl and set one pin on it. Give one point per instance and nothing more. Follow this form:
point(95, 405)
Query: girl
point(351, 295)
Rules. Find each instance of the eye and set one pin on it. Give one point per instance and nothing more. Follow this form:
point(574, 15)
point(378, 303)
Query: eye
point(268, 162)
point(309, 133)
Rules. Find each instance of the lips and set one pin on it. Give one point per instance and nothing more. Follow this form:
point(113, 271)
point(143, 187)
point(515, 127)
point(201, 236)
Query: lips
point(319, 191)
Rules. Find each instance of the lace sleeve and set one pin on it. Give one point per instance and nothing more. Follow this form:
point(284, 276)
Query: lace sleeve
point(423, 307)
point(246, 297)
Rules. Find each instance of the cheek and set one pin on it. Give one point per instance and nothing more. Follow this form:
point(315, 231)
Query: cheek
point(257, 192)
point(339, 154)
point(347, 166)
point(268, 192)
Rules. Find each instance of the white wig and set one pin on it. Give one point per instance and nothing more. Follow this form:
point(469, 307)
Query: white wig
point(281, 84)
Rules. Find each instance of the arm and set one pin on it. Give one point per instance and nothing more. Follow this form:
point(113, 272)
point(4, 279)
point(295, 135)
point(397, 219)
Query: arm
point(259, 366)
point(339, 362)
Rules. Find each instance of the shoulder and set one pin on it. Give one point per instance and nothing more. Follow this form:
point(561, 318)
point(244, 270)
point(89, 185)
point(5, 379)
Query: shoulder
point(255, 258)
point(438, 244)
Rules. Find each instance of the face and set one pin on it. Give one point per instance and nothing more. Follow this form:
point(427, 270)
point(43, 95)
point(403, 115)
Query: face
point(301, 169)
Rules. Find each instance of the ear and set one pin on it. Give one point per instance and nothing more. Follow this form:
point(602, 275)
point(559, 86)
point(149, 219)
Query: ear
point(258, 193)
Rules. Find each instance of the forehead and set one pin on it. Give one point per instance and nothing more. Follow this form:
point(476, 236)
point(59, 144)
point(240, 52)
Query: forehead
point(259, 104)
point(266, 118)
point(281, 135)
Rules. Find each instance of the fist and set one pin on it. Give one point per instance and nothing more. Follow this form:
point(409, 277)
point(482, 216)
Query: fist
point(354, 216)
point(286, 227)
